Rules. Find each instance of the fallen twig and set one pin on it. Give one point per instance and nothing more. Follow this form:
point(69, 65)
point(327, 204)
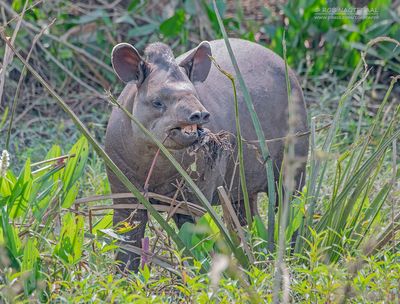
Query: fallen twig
point(228, 208)
point(197, 210)
point(299, 134)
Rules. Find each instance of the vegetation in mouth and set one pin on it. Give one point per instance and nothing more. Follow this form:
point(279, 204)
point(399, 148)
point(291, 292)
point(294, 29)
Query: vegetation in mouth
point(213, 144)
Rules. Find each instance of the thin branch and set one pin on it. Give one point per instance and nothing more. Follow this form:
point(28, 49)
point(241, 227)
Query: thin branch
point(8, 54)
point(20, 81)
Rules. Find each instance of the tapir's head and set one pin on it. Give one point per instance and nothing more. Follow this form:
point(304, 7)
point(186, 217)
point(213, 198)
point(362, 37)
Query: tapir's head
point(166, 102)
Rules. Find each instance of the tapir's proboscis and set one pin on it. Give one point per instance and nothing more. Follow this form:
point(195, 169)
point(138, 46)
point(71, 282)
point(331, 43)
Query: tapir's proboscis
point(181, 100)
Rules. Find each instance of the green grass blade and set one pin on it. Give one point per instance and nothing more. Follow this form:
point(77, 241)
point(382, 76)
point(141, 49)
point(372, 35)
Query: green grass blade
point(361, 175)
point(11, 239)
point(240, 145)
point(75, 165)
point(289, 168)
point(29, 265)
point(18, 202)
point(314, 189)
point(359, 232)
point(311, 182)
point(375, 123)
point(259, 132)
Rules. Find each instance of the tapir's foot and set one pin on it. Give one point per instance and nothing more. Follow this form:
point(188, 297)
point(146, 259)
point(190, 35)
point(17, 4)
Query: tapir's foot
point(241, 210)
point(127, 260)
point(181, 219)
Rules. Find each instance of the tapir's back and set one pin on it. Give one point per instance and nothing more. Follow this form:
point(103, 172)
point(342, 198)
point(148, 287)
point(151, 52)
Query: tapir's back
point(264, 74)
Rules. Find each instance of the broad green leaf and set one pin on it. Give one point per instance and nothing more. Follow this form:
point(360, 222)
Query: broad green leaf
point(145, 272)
point(54, 152)
point(30, 266)
point(132, 5)
point(104, 223)
point(69, 246)
point(54, 172)
point(70, 196)
point(200, 237)
point(46, 184)
point(296, 215)
point(43, 199)
point(6, 184)
point(206, 218)
point(18, 201)
point(174, 25)
point(186, 233)
point(17, 5)
point(261, 230)
point(11, 239)
point(76, 164)
point(206, 233)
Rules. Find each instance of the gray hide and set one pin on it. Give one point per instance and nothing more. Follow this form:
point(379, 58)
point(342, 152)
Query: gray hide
point(167, 94)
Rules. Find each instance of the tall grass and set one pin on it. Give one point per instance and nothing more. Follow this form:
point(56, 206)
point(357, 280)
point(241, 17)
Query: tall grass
point(346, 189)
point(259, 132)
point(345, 208)
point(289, 167)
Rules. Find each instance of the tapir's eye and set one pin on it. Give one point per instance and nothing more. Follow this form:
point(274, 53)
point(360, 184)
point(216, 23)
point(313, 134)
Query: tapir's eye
point(158, 104)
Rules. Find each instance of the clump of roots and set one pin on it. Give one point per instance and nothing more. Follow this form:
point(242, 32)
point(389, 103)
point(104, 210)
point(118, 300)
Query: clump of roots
point(213, 145)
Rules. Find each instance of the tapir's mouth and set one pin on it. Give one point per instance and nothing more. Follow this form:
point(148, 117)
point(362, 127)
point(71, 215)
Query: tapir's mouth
point(186, 135)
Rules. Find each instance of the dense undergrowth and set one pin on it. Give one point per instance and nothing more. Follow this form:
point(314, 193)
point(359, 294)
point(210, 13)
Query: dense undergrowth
point(347, 216)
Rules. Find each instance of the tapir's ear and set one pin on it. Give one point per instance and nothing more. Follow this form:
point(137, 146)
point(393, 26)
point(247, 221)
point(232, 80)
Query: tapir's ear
point(127, 63)
point(198, 63)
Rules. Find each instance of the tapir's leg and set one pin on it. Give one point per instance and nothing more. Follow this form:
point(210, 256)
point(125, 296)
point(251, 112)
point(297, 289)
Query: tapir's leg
point(137, 219)
point(180, 219)
point(241, 210)
point(300, 178)
point(254, 204)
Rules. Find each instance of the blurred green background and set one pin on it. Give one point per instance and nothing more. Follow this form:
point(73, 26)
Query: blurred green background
point(73, 52)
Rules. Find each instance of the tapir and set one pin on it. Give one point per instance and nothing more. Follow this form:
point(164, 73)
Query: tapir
point(180, 99)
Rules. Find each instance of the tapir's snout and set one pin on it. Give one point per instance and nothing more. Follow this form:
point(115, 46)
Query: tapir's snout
point(191, 111)
point(191, 115)
point(199, 117)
